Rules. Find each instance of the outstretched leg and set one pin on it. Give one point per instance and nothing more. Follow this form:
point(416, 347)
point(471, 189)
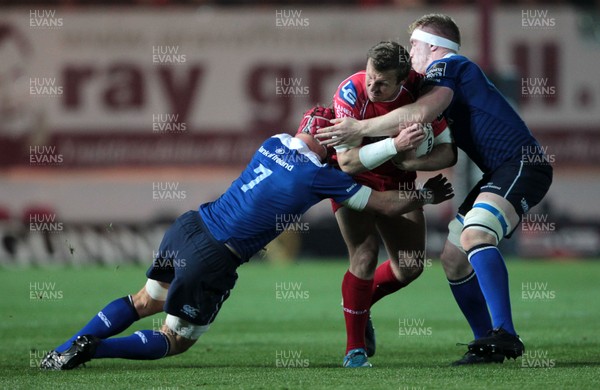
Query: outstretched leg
point(118, 315)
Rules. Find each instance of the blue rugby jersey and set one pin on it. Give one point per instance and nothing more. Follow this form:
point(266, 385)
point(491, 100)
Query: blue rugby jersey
point(483, 123)
point(281, 182)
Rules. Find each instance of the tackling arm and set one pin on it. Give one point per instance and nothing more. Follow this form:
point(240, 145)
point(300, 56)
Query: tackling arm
point(441, 156)
point(424, 110)
point(368, 157)
point(436, 190)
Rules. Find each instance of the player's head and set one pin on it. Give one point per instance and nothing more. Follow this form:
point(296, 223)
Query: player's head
point(388, 65)
point(432, 37)
point(312, 120)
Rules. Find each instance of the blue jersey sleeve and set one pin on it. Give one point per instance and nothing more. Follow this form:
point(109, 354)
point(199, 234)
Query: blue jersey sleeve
point(484, 125)
point(330, 182)
point(442, 73)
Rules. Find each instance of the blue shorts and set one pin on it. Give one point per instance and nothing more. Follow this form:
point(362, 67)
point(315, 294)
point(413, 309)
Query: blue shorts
point(201, 271)
point(523, 185)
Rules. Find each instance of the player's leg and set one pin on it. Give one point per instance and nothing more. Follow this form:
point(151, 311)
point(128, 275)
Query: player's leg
point(203, 280)
point(404, 240)
point(495, 214)
point(467, 293)
point(464, 283)
point(111, 320)
point(491, 218)
point(360, 236)
point(117, 316)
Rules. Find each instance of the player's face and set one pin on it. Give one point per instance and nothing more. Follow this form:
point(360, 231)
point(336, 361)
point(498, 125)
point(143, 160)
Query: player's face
point(420, 55)
point(381, 86)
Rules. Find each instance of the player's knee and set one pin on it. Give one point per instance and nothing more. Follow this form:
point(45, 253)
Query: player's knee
point(485, 223)
point(472, 237)
point(411, 273)
point(455, 228)
point(454, 261)
point(150, 299)
point(181, 334)
point(363, 262)
point(410, 267)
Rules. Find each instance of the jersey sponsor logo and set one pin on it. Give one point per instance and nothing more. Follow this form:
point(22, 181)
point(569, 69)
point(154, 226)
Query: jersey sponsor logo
point(273, 156)
point(351, 187)
point(492, 186)
point(348, 93)
point(341, 111)
point(436, 71)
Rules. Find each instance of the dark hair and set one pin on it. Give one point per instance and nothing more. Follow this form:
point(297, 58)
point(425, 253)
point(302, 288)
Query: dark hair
point(389, 55)
point(442, 25)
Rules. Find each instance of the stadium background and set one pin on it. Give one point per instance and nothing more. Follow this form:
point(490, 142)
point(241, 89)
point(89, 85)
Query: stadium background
point(118, 117)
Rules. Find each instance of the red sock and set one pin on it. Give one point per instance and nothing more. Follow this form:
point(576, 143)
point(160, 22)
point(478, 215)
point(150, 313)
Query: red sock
point(385, 282)
point(356, 294)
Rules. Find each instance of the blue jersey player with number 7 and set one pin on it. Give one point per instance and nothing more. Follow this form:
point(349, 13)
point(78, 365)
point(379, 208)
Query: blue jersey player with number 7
point(195, 268)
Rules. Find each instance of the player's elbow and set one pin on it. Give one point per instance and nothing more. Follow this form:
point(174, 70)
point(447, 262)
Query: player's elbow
point(452, 155)
point(349, 166)
point(448, 155)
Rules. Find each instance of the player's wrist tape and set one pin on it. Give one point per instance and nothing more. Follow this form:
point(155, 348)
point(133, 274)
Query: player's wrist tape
point(373, 155)
point(426, 195)
point(435, 40)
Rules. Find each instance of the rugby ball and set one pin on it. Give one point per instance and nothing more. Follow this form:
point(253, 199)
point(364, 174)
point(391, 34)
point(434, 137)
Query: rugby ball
point(427, 144)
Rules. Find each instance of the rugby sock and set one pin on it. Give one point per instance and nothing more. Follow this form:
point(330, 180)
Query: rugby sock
point(471, 301)
point(493, 279)
point(113, 319)
point(356, 294)
point(385, 282)
point(142, 345)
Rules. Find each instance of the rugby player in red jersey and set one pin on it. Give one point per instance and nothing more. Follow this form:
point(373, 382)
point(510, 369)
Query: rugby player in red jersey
point(383, 164)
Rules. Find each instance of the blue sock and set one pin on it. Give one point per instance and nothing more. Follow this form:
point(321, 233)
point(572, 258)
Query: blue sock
point(472, 303)
point(113, 319)
point(142, 345)
point(493, 279)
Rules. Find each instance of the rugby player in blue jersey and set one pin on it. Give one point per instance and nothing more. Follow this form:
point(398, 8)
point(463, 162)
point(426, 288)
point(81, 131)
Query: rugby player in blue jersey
point(516, 176)
point(195, 268)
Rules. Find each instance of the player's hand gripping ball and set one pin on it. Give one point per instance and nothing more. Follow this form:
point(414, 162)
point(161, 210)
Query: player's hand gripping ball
point(427, 145)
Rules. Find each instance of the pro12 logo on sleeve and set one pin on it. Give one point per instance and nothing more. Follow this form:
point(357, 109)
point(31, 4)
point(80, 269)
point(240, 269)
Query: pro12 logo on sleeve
point(348, 93)
point(436, 71)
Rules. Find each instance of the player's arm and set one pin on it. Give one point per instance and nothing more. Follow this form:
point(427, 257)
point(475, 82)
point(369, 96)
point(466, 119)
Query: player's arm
point(427, 107)
point(443, 154)
point(390, 203)
point(368, 157)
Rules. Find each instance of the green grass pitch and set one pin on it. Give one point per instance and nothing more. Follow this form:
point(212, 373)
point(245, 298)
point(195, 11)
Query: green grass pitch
point(282, 316)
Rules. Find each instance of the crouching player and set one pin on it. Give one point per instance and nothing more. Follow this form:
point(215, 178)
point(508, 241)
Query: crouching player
point(286, 176)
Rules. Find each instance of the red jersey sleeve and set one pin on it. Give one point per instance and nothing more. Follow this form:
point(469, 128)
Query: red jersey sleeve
point(347, 98)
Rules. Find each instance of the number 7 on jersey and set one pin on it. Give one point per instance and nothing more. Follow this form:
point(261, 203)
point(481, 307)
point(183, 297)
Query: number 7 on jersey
point(262, 172)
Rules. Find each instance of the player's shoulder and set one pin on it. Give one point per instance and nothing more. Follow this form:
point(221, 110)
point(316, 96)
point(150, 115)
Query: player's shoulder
point(447, 66)
point(351, 90)
point(355, 83)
